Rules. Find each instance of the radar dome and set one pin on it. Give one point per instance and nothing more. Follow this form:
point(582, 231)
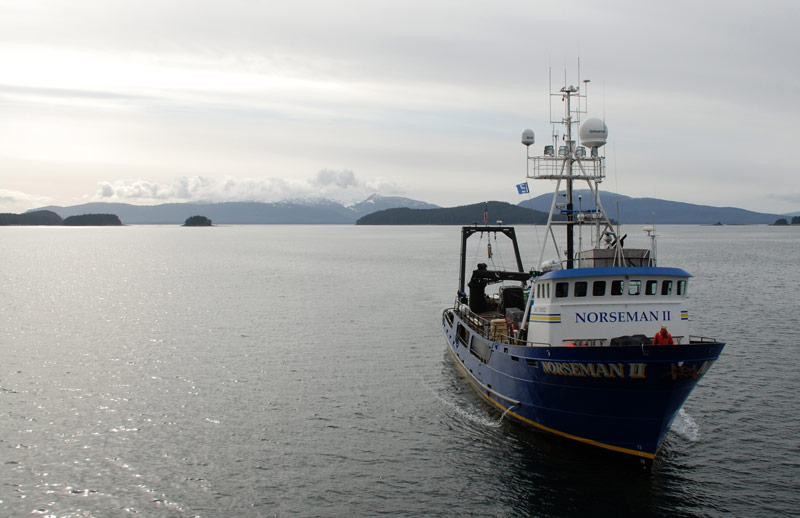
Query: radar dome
point(527, 137)
point(550, 265)
point(593, 133)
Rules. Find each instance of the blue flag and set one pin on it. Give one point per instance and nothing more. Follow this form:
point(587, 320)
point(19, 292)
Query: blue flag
point(523, 188)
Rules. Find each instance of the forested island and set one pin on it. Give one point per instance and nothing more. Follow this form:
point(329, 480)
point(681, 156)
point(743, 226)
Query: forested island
point(93, 220)
point(493, 211)
point(784, 221)
point(197, 221)
point(39, 217)
point(50, 218)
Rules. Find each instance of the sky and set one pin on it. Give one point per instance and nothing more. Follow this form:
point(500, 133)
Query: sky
point(153, 101)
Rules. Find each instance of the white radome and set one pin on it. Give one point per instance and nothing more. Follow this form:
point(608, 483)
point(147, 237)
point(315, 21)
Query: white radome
point(527, 137)
point(593, 133)
point(550, 265)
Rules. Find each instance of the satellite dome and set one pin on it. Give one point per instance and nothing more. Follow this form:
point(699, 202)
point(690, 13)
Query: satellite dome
point(550, 265)
point(593, 133)
point(527, 137)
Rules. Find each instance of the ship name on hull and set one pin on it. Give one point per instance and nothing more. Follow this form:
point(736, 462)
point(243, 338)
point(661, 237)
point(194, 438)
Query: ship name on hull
point(595, 370)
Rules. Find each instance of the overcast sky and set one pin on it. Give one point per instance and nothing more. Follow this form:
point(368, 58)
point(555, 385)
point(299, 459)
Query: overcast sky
point(149, 101)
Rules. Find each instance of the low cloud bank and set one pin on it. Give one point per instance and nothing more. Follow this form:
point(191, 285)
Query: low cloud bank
point(338, 185)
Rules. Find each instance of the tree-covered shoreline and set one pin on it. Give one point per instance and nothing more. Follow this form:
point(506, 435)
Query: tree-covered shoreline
point(50, 218)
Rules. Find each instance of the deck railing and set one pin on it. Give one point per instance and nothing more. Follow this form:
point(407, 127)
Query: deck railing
point(483, 326)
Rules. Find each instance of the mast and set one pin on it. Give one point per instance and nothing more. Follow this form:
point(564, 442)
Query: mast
point(568, 91)
point(570, 163)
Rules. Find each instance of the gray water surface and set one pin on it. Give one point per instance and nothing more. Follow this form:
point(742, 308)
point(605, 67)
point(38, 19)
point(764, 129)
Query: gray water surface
point(301, 371)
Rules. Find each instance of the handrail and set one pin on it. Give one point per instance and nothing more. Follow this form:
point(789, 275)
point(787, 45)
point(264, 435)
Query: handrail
point(480, 324)
point(703, 339)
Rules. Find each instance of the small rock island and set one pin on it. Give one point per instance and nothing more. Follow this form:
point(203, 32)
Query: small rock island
point(197, 221)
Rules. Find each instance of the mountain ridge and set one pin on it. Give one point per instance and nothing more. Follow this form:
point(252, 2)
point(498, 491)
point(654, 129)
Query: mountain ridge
point(631, 210)
point(324, 211)
point(298, 211)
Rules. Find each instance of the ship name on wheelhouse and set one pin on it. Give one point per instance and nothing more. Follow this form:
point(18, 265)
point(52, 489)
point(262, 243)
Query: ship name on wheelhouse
point(594, 317)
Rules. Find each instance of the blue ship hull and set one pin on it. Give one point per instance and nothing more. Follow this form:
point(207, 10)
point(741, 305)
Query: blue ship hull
point(621, 398)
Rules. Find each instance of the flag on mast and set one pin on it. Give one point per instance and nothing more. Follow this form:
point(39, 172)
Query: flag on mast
point(522, 188)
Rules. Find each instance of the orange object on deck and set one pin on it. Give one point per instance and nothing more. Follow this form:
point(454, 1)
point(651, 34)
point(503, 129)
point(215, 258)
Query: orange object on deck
point(663, 337)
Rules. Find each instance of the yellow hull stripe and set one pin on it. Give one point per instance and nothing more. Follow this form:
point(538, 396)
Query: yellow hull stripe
point(546, 318)
point(546, 428)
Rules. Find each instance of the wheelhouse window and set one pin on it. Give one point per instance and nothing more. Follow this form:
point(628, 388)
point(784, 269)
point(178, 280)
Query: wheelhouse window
point(581, 288)
point(543, 291)
point(562, 289)
point(635, 287)
point(598, 288)
point(617, 287)
point(651, 288)
point(666, 287)
point(681, 288)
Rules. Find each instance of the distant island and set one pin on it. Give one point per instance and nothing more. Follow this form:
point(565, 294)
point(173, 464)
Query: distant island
point(197, 221)
point(464, 215)
point(50, 218)
point(93, 220)
point(783, 221)
point(38, 217)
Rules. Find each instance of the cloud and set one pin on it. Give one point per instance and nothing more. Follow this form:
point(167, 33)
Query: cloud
point(385, 186)
point(343, 179)
point(16, 201)
point(338, 185)
point(143, 189)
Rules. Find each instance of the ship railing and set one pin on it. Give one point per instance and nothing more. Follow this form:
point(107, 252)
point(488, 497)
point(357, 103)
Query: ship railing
point(484, 326)
point(554, 167)
point(604, 342)
point(702, 340)
point(472, 319)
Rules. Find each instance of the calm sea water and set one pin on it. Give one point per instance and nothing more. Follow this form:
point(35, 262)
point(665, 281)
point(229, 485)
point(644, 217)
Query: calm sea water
point(301, 371)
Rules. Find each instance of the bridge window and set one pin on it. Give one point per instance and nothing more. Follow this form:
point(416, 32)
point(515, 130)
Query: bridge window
point(635, 288)
point(617, 287)
point(666, 287)
point(580, 288)
point(599, 288)
point(681, 288)
point(651, 288)
point(562, 289)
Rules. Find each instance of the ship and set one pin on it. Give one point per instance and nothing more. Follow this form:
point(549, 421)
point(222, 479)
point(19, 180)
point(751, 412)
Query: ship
point(592, 344)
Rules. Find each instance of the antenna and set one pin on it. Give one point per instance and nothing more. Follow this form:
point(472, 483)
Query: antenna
point(586, 96)
point(550, 93)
